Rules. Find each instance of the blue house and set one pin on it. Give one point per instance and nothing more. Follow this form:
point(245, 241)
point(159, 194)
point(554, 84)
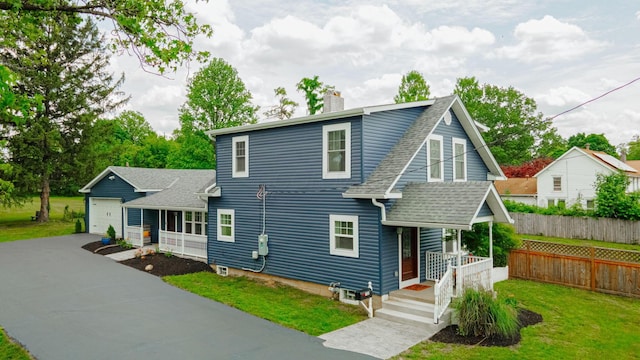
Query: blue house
point(167, 207)
point(349, 197)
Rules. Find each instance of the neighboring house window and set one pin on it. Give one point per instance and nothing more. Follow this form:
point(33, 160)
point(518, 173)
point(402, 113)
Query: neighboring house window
point(557, 183)
point(591, 204)
point(562, 203)
point(551, 202)
point(449, 240)
point(434, 158)
point(226, 219)
point(336, 149)
point(343, 232)
point(459, 159)
point(195, 222)
point(240, 161)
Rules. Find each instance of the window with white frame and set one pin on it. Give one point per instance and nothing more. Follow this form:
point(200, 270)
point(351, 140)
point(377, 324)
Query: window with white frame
point(226, 220)
point(591, 204)
point(434, 158)
point(336, 149)
point(343, 232)
point(459, 159)
point(557, 183)
point(240, 160)
point(195, 222)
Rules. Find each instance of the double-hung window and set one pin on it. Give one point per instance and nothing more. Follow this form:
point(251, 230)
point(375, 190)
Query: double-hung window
point(336, 151)
point(226, 220)
point(343, 232)
point(240, 159)
point(195, 222)
point(557, 183)
point(434, 158)
point(459, 159)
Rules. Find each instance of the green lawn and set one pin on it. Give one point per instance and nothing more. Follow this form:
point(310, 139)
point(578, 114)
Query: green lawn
point(16, 224)
point(10, 350)
point(582, 242)
point(285, 305)
point(577, 324)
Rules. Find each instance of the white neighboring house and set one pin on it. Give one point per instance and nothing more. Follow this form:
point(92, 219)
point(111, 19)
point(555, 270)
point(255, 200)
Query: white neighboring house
point(571, 178)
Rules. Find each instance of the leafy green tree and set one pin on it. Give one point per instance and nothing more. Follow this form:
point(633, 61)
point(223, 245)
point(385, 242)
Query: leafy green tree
point(217, 98)
point(597, 142)
point(313, 90)
point(285, 107)
point(612, 199)
point(65, 62)
point(633, 148)
point(131, 126)
point(193, 151)
point(504, 240)
point(516, 128)
point(412, 88)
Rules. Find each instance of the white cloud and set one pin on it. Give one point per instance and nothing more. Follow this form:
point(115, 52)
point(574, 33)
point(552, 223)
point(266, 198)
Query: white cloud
point(562, 96)
point(548, 40)
point(638, 15)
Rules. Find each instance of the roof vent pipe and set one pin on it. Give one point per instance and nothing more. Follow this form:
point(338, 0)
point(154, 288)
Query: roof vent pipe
point(332, 101)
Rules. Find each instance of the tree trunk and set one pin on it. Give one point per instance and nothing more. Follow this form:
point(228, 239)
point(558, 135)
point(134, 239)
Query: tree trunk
point(44, 200)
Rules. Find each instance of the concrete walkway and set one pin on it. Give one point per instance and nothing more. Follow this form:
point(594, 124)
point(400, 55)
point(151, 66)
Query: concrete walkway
point(63, 302)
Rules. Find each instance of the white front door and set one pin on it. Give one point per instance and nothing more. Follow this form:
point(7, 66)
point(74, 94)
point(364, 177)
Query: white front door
point(105, 212)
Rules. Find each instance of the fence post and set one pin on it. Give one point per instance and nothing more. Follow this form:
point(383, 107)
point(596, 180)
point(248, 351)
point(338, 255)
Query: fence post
point(528, 260)
point(593, 268)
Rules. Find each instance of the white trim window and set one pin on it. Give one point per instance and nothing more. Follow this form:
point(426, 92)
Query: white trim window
point(459, 159)
point(195, 222)
point(434, 158)
point(240, 158)
point(557, 183)
point(343, 235)
point(226, 221)
point(336, 151)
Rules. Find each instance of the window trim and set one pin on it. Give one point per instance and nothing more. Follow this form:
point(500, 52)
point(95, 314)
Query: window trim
point(441, 164)
point(355, 253)
point(463, 142)
point(553, 183)
point(194, 222)
point(222, 237)
point(234, 157)
point(326, 129)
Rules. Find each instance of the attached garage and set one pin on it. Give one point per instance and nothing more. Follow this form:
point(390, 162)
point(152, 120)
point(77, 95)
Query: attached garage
point(104, 212)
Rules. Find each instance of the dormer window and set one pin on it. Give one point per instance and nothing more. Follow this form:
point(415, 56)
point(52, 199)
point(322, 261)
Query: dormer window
point(336, 148)
point(240, 160)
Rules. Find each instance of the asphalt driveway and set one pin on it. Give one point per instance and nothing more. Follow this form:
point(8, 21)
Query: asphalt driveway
point(62, 302)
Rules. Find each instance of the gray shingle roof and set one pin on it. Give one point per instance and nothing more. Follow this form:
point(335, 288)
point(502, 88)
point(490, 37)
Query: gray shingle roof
point(384, 176)
point(449, 204)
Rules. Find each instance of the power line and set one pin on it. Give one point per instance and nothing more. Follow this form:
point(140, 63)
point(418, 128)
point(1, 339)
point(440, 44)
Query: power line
point(595, 98)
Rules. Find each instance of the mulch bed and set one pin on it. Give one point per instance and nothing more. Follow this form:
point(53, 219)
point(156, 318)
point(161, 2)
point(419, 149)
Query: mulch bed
point(450, 333)
point(163, 265)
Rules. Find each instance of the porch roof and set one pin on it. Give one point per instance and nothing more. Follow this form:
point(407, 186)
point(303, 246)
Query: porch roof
point(453, 205)
point(184, 193)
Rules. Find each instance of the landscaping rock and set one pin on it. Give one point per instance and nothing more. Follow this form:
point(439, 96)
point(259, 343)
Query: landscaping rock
point(148, 267)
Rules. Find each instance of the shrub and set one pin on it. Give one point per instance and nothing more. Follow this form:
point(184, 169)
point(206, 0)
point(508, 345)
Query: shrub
point(78, 226)
point(481, 314)
point(111, 233)
point(504, 239)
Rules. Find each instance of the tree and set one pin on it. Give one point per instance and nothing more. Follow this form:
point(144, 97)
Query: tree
point(612, 199)
point(193, 151)
point(313, 90)
point(596, 142)
point(412, 88)
point(285, 107)
point(516, 129)
point(217, 98)
point(528, 169)
point(65, 62)
point(633, 150)
point(131, 126)
point(504, 240)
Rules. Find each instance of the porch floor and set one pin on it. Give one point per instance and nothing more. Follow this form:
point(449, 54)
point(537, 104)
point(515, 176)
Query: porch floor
point(424, 295)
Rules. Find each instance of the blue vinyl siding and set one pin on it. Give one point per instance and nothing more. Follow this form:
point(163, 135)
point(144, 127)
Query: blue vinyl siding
point(485, 210)
point(381, 131)
point(476, 169)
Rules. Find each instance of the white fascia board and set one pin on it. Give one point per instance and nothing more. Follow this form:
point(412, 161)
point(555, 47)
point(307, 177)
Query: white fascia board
point(147, 190)
point(493, 177)
point(427, 225)
point(372, 196)
point(164, 207)
point(95, 180)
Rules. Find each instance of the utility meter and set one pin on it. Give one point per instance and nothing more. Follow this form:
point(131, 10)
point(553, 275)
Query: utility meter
point(263, 248)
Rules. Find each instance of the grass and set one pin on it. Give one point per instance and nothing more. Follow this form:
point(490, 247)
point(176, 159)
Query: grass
point(284, 305)
point(16, 224)
point(10, 350)
point(582, 242)
point(576, 324)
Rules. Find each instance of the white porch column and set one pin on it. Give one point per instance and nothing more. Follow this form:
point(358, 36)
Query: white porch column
point(459, 285)
point(491, 239)
point(141, 227)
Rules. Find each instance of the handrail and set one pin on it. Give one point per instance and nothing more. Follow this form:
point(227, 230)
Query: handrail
point(443, 292)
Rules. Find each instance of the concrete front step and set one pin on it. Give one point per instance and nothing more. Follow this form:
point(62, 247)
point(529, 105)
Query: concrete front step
point(409, 306)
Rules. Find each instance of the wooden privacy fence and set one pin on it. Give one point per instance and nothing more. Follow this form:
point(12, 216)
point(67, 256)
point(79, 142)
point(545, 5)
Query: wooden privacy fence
point(573, 227)
point(586, 267)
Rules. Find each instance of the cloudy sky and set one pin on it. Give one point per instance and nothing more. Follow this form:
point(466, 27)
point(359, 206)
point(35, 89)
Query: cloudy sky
point(561, 53)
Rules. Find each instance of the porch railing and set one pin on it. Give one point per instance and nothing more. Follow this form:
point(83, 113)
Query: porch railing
point(183, 244)
point(475, 272)
point(133, 235)
point(443, 291)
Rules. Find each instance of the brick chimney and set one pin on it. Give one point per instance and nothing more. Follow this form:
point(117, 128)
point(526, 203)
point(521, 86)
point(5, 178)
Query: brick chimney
point(332, 101)
point(623, 155)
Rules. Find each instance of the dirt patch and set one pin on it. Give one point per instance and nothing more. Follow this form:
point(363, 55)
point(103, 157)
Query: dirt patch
point(450, 333)
point(163, 265)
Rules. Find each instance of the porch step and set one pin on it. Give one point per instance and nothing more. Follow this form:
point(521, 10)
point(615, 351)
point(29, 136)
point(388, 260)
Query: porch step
point(409, 306)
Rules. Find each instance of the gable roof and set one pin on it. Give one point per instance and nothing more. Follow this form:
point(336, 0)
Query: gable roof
point(178, 188)
point(450, 205)
point(382, 180)
point(598, 157)
point(517, 186)
point(634, 164)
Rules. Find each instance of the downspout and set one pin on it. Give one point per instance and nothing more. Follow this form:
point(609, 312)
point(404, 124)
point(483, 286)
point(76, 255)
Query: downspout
point(383, 217)
point(383, 213)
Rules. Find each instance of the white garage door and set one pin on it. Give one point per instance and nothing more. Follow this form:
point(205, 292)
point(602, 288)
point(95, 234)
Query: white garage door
point(105, 212)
